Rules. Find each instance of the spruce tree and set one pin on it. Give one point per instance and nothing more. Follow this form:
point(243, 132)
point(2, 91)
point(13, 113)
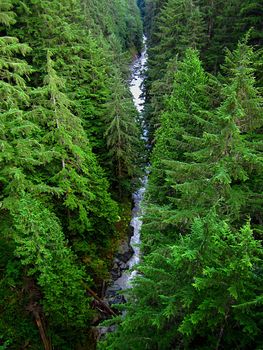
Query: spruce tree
point(180, 26)
point(20, 154)
point(83, 57)
point(199, 292)
point(57, 217)
point(186, 117)
point(122, 134)
point(225, 25)
point(84, 204)
point(42, 248)
point(249, 19)
point(220, 162)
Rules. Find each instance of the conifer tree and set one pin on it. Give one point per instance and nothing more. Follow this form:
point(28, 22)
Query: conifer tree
point(199, 292)
point(231, 148)
point(85, 66)
point(220, 161)
point(14, 98)
point(226, 23)
point(220, 19)
point(250, 13)
point(180, 26)
point(152, 12)
point(41, 246)
point(118, 21)
point(186, 117)
point(20, 154)
point(57, 217)
point(20, 151)
point(84, 204)
point(122, 135)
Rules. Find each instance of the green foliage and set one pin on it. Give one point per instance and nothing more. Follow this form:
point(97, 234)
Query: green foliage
point(40, 245)
point(16, 323)
point(179, 26)
point(188, 101)
point(57, 215)
point(183, 123)
point(83, 57)
point(69, 132)
point(200, 282)
point(226, 23)
point(73, 167)
point(188, 294)
point(118, 20)
point(210, 26)
point(152, 12)
point(122, 135)
point(20, 152)
point(206, 157)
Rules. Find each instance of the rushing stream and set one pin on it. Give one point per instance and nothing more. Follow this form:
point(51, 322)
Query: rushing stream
point(136, 82)
point(124, 263)
point(127, 273)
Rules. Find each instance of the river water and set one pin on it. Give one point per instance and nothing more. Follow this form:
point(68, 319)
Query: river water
point(136, 85)
point(124, 281)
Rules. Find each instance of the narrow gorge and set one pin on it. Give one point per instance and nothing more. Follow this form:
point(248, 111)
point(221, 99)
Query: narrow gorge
point(128, 255)
point(131, 175)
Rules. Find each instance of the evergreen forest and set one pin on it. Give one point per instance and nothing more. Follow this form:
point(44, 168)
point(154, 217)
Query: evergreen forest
point(72, 153)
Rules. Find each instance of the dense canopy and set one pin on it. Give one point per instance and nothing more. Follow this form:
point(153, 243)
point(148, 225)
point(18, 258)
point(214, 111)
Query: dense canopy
point(73, 149)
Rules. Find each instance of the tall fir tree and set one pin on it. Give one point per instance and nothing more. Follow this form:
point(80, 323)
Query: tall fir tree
point(200, 292)
point(57, 216)
point(214, 156)
point(84, 204)
point(83, 57)
point(180, 25)
point(122, 133)
point(17, 155)
point(186, 117)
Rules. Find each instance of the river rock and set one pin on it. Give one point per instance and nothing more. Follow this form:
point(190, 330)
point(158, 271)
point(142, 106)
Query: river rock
point(116, 271)
point(125, 252)
point(113, 295)
point(102, 331)
point(123, 266)
point(130, 231)
point(112, 290)
point(117, 299)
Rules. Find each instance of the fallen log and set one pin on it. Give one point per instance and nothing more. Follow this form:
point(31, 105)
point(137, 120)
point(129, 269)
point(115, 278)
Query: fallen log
point(105, 306)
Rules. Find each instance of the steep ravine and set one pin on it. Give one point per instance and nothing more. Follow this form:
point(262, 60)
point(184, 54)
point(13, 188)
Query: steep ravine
point(136, 89)
point(129, 253)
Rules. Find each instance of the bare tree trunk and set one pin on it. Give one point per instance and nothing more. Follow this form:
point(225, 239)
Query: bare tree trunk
point(210, 23)
point(103, 289)
point(222, 331)
point(41, 328)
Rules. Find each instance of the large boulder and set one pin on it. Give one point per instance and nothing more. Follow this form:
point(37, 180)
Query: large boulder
point(115, 271)
point(125, 252)
point(113, 295)
point(118, 267)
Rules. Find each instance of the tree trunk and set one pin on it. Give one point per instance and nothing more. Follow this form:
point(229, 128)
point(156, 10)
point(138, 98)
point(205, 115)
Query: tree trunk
point(45, 340)
point(105, 306)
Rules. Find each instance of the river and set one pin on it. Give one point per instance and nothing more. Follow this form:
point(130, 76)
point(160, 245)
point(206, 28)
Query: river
point(112, 294)
point(136, 85)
